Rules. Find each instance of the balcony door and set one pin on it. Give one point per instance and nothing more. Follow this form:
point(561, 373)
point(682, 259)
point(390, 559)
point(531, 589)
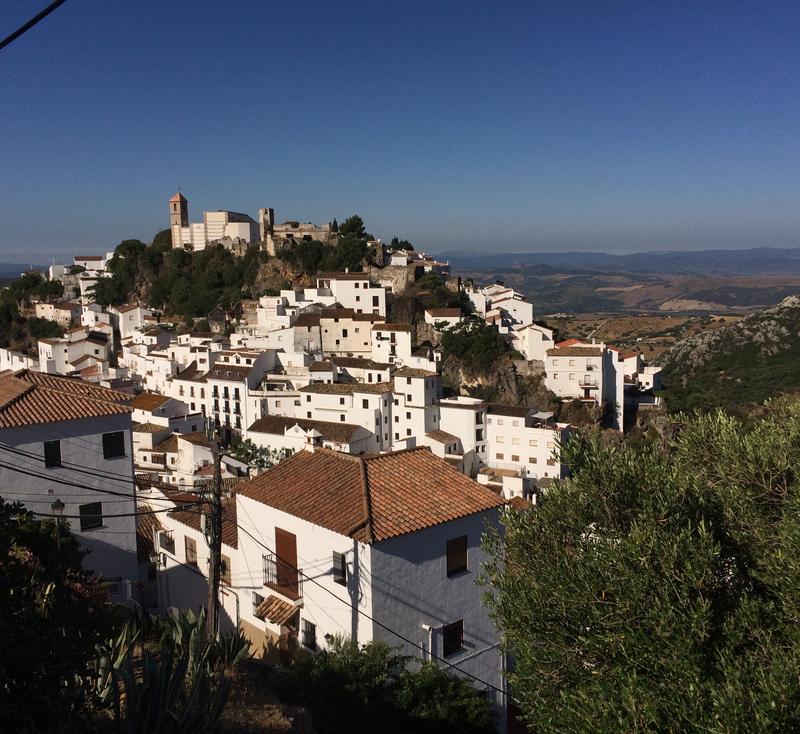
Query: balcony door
point(286, 565)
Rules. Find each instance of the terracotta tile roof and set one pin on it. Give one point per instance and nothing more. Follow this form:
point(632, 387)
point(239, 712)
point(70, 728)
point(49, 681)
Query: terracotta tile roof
point(25, 401)
point(347, 388)
point(442, 436)
point(177, 198)
point(191, 373)
point(149, 401)
point(128, 307)
point(198, 438)
point(146, 525)
point(148, 428)
point(347, 313)
point(277, 425)
point(343, 276)
point(169, 444)
point(514, 411)
point(447, 313)
point(307, 319)
point(519, 504)
point(276, 610)
point(70, 385)
point(569, 343)
point(321, 367)
point(230, 530)
point(391, 327)
point(371, 498)
point(359, 362)
point(414, 372)
point(575, 352)
point(88, 257)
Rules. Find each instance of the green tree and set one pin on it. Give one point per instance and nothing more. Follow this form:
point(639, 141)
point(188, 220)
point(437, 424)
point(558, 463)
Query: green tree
point(257, 457)
point(477, 345)
point(52, 614)
point(162, 242)
point(353, 227)
point(656, 589)
point(367, 688)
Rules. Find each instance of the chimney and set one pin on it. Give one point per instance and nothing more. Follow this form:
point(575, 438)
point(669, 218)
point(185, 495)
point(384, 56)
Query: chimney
point(313, 440)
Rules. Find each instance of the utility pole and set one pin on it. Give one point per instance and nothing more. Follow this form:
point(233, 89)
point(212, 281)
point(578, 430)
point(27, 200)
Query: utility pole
point(214, 536)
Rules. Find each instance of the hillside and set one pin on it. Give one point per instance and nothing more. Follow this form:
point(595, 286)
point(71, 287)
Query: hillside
point(737, 366)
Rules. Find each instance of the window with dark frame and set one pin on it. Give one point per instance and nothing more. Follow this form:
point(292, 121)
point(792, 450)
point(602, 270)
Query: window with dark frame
point(52, 454)
point(456, 555)
point(453, 638)
point(258, 600)
point(190, 547)
point(91, 515)
point(113, 445)
point(309, 635)
point(339, 568)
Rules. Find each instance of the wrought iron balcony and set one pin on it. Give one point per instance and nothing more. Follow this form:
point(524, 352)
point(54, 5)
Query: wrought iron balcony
point(282, 577)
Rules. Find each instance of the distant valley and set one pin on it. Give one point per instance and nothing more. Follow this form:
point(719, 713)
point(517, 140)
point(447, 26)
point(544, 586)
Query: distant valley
point(711, 281)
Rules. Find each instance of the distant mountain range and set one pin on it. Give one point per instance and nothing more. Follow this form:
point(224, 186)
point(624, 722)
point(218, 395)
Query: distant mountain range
point(10, 271)
point(754, 261)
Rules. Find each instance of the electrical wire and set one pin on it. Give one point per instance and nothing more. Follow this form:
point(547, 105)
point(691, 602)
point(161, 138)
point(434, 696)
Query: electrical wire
point(25, 27)
point(122, 514)
point(367, 616)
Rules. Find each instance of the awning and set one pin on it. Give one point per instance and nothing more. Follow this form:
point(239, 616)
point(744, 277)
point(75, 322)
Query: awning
point(276, 610)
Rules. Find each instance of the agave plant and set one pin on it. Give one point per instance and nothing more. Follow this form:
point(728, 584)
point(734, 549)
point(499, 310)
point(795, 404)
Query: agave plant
point(184, 689)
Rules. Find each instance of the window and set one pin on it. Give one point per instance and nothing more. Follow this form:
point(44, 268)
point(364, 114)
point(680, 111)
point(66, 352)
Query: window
point(456, 555)
point(531, 459)
point(91, 515)
point(533, 442)
point(341, 401)
point(166, 541)
point(500, 439)
point(453, 638)
point(225, 573)
point(499, 457)
point(52, 453)
point(514, 457)
point(515, 442)
point(258, 600)
point(190, 546)
point(113, 445)
point(365, 403)
point(309, 635)
point(339, 568)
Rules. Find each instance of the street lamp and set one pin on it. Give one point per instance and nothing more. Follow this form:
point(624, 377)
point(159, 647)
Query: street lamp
point(58, 510)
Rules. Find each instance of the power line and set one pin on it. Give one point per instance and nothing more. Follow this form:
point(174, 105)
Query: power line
point(122, 514)
point(367, 616)
point(25, 27)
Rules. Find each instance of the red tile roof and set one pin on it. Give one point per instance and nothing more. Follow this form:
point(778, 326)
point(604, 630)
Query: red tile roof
point(370, 498)
point(27, 400)
point(230, 530)
point(569, 343)
point(149, 401)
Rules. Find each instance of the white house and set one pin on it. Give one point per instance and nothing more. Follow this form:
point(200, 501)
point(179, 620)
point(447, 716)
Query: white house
point(295, 434)
point(68, 441)
point(332, 543)
point(443, 318)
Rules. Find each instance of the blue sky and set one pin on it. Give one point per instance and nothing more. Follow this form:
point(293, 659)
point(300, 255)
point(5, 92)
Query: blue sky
point(461, 126)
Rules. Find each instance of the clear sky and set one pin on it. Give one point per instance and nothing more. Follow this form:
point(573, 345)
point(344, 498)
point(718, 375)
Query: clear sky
point(458, 125)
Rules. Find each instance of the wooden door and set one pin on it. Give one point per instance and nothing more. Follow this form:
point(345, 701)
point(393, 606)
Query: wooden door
point(286, 562)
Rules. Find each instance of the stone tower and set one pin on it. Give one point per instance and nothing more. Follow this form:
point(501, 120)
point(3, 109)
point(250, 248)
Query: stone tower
point(266, 222)
point(178, 217)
